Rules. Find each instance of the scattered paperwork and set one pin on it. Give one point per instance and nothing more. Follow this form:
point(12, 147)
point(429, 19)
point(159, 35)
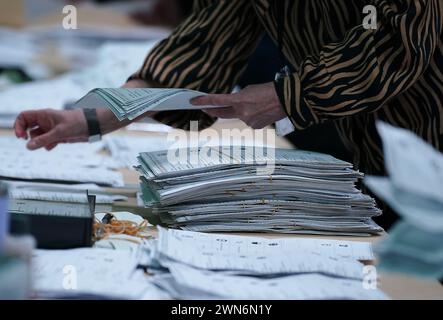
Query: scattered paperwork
point(191, 265)
point(257, 256)
point(193, 283)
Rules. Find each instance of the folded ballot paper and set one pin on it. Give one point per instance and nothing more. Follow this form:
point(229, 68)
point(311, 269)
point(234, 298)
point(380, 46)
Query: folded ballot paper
point(414, 190)
point(284, 191)
point(192, 265)
point(129, 103)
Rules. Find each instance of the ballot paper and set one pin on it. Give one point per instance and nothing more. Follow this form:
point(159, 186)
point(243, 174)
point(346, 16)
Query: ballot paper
point(261, 256)
point(125, 149)
point(66, 163)
point(79, 272)
point(191, 265)
point(280, 191)
point(411, 250)
point(196, 283)
point(421, 172)
point(24, 171)
point(129, 103)
point(49, 198)
point(417, 210)
point(181, 245)
point(413, 190)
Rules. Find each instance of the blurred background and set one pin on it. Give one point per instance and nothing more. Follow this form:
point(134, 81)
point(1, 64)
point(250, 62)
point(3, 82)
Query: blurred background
point(42, 64)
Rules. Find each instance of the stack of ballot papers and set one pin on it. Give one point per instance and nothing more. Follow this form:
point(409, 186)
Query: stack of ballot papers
point(414, 190)
point(191, 265)
point(125, 149)
point(79, 163)
point(50, 198)
point(129, 103)
point(284, 191)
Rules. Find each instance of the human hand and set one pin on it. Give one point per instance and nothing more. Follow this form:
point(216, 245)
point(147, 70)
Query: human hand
point(48, 127)
point(257, 105)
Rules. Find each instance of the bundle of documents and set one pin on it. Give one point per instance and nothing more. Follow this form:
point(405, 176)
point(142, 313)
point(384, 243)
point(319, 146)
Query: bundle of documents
point(191, 265)
point(414, 190)
point(217, 189)
point(65, 200)
point(130, 103)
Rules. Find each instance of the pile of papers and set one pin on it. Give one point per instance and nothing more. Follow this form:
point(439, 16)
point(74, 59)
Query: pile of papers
point(79, 163)
point(414, 190)
point(125, 149)
point(58, 199)
point(214, 189)
point(190, 265)
point(130, 103)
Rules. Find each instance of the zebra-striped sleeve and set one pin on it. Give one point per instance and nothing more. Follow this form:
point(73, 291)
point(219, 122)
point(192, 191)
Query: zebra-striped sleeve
point(368, 67)
point(207, 52)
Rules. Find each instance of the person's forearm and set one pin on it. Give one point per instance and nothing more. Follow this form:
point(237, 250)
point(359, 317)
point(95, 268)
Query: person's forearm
point(109, 122)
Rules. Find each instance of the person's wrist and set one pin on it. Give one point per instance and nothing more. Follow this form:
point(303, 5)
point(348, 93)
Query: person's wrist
point(80, 124)
point(108, 121)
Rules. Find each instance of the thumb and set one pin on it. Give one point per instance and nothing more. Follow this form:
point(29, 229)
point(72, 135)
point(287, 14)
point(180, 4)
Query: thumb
point(43, 140)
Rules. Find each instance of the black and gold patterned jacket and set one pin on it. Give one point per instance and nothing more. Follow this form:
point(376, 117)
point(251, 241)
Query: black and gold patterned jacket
point(346, 73)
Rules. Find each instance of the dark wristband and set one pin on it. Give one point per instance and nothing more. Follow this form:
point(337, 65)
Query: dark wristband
point(93, 124)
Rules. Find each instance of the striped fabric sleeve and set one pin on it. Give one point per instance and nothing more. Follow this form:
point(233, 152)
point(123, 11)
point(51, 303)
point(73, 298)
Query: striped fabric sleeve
point(207, 52)
point(368, 67)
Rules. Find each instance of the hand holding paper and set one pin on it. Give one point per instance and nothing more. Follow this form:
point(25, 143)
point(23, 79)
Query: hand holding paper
point(258, 105)
point(130, 103)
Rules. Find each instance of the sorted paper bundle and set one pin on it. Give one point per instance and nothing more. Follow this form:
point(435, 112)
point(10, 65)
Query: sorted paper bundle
point(58, 199)
point(414, 190)
point(130, 103)
point(191, 265)
point(285, 191)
